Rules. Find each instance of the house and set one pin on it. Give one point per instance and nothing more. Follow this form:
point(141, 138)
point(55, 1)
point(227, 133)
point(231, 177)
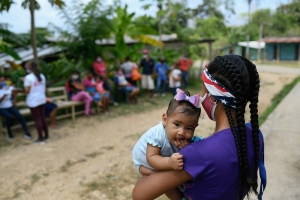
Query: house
point(240, 49)
point(282, 48)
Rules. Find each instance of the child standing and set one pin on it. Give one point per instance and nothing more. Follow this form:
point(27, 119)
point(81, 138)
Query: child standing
point(157, 149)
point(174, 78)
point(104, 100)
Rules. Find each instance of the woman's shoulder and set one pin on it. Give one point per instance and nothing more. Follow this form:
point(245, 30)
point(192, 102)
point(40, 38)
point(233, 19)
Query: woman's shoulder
point(211, 143)
point(42, 76)
point(29, 75)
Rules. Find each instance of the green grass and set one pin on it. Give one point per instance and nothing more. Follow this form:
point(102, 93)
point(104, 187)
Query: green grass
point(278, 98)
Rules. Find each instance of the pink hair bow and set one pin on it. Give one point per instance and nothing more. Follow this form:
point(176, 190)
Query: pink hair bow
point(181, 96)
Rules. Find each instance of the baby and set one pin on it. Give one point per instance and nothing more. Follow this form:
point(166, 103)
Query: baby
point(157, 149)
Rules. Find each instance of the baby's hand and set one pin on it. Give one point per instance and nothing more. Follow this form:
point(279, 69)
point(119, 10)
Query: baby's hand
point(181, 143)
point(176, 161)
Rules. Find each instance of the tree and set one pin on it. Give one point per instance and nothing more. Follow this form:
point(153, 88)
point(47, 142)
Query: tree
point(32, 5)
point(160, 16)
point(8, 40)
point(290, 16)
point(124, 25)
point(210, 8)
point(85, 24)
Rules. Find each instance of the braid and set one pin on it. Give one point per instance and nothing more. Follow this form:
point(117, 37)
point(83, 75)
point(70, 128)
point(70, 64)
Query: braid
point(253, 97)
point(236, 139)
point(239, 88)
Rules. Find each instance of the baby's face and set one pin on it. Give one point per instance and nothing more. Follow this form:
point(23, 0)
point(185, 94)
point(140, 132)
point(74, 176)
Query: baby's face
point(180, 128)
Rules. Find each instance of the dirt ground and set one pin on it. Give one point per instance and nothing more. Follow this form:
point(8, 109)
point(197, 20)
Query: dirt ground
point(88, 159)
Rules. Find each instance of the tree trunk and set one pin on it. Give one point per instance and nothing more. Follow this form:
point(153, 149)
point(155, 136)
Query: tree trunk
point(160, 25)
point(160, 36)
point(248, 32)
point(33, 34)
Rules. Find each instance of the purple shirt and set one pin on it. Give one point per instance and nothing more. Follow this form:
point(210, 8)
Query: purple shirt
point(213, 164)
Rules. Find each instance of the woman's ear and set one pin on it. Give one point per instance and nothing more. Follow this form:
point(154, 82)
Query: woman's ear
point(164, 119)
point(212, 98)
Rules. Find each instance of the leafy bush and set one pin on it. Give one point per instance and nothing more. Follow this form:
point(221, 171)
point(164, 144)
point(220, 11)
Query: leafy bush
point(16, 76)
point(58, 72)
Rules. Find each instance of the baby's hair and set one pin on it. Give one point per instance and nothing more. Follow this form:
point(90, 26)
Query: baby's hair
point(187, 107)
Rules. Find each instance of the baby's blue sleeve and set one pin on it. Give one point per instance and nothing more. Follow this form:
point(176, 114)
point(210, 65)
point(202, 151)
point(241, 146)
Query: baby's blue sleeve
point(154, 138)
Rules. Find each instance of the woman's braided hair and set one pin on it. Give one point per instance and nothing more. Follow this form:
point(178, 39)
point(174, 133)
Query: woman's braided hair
point(240, 76)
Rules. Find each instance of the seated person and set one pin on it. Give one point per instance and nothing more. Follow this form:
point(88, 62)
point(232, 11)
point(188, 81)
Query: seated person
point(125, 86)
point(8, 80)
point(104, 94)
point(78, 92)
point(89, 83)
point(7, 109)
point(51, 111)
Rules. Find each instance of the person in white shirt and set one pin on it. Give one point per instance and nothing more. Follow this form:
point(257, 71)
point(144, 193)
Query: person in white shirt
point(174, 78)
point(7, 109)
point(35, 88)
point(125, 86)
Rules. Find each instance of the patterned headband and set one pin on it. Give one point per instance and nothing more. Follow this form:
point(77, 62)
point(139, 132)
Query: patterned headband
point(181, 96)
point(217, 90)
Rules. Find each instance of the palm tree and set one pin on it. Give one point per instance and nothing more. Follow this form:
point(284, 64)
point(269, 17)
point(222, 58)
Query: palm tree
point(124, 25)
point(9, 39)
point(160, 15)
point(32, 5)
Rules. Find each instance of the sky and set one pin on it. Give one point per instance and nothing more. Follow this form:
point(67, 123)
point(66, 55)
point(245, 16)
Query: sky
point(19, 18)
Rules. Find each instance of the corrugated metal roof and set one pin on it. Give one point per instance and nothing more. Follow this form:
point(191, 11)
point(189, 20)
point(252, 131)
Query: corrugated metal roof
point(27, 54)
point(129, 40)
point(252, 44)
point(282, 39)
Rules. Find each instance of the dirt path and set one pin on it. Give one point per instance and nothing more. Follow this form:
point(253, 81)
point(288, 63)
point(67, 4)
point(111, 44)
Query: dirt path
point(89, 159)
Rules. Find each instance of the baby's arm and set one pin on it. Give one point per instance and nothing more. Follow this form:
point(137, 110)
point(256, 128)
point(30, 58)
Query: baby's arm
point(163, 163)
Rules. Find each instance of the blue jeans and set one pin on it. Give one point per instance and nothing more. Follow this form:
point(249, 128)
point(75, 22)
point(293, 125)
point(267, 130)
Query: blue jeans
point(7, 112)
point(160, 82)
point(107, 87)
point(185, 78)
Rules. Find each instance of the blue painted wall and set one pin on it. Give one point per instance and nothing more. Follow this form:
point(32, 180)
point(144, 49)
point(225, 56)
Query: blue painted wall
point(270, 51)
point(287, 50)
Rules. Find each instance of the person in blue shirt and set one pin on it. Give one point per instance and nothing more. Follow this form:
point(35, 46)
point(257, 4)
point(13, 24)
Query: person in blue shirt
point(161, 68)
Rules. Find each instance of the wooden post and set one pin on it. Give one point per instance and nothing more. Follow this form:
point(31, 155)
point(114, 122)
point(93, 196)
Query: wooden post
point(210, 51)
point(259, 43)
point(299, 53)
point(278, 53)
point(73, 113)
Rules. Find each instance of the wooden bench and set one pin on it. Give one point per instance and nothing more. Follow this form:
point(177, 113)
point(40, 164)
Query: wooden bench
point(59, 96)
